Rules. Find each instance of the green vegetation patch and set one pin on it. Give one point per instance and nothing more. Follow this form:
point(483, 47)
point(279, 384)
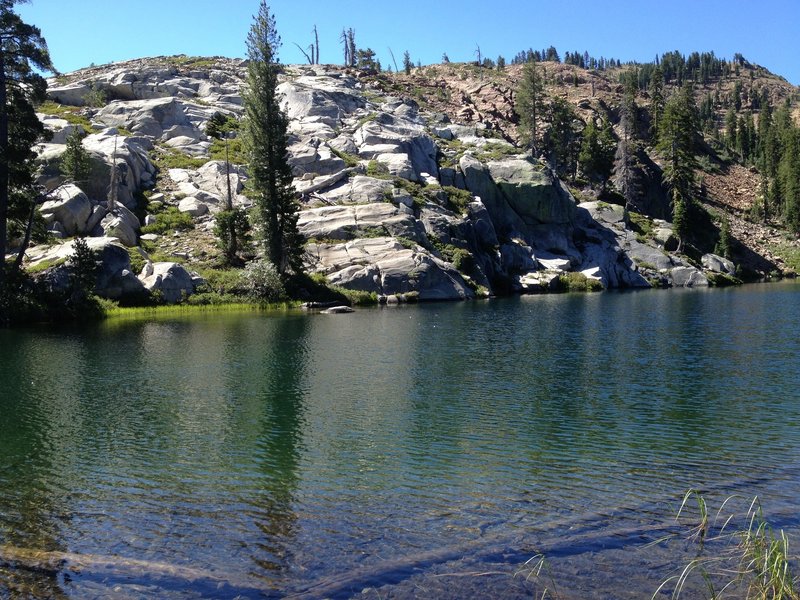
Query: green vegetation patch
point(378, 170)
point(350, 160)
point(137, 260)
point(166, 158)
point(236, 151)
point(71, 114)
point(578, 282)
point(789, 253)
point(46, 264)
point(459, 199)
point(461, 258)
point(168, 220)
point(191, 62)
point(642, 226)
point(722, 279)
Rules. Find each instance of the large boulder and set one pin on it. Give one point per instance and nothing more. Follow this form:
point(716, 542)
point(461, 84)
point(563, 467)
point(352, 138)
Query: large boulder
point(479, 182)
point(60, 129)
point(169, 279)
point(385, 267)
point(640, 181)
point(533, 192)
point(73, 94)
point(114, 226)
point(193, 206)
point(145, 117)
point(312, 157)
point(359, 190)
point(70, 207)
point(398, 165)
point(718, 264)
point(686, 276)
point(135, 169)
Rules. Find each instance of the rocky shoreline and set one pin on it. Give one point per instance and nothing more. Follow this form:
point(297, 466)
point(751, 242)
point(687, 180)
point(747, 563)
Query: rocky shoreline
point(395, 200)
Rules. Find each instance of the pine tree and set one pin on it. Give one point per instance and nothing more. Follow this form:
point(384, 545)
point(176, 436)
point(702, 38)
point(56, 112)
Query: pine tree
point(589, 145)
point(529, 103)
point(743, 139)
point(598, 147)
point(23, 56)
point(84, 269)
point(75, 164)
point(656, 101)
point(677, 140)
point(407, 64)
point(680, 221)
point(725, 245)
point(629, 111)
point(561, 138)
point(265, 128)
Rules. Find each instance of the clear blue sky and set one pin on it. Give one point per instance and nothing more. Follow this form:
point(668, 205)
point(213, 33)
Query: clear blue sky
point(81, 32)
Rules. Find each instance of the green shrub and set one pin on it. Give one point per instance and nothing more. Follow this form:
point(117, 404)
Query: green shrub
point(378, 170)
point(356, 297)
point(578, 282)
point(96, 97)
point(137, 260)
point(459, 199)
point(222, 281)
point(261, 281)
point(789, 253)
point(495, 150)
point(460, 258)
point(707, 165)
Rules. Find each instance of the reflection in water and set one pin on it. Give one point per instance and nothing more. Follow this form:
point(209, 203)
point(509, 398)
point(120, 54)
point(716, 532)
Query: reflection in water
point(243, 455)
point(281, 359)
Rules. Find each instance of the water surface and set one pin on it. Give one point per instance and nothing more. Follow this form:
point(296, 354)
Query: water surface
point(418, 451)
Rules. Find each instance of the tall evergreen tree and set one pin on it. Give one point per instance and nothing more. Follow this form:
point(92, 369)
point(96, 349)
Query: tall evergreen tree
point(530, 94)
point(562, 140)
point(656, 101)
point(629, 111)
point(23, 56)
point(265, 129)
point(75, 163)
point(598, 146)
point(677, 141)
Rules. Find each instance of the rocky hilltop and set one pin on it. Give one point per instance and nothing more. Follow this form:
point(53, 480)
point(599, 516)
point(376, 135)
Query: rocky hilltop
point(410, 186)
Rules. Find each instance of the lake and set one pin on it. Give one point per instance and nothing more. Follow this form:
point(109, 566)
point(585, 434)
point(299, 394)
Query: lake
point(416, 451)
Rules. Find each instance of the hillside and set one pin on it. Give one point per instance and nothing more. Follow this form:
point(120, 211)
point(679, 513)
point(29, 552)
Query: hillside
point(411, 186)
